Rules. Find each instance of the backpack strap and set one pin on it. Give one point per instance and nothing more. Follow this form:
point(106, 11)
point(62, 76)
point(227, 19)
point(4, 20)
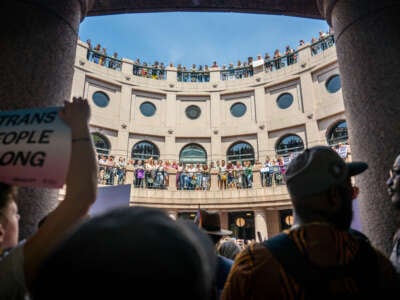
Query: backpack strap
point(291, 259)
point(313, 279)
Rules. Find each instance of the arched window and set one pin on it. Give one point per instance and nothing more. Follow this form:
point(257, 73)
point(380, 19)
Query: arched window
point(289, 144)
point(144, 150)
point(337, 133)
point(193, 154)
point(240, 151)
point(101, 143)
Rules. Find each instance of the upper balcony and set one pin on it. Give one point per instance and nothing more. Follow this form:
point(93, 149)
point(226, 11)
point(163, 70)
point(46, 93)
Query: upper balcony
point(208, 78)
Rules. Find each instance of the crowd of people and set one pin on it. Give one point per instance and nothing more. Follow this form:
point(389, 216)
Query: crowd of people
point(153, 173)
point(125, 249)
point(200, 73)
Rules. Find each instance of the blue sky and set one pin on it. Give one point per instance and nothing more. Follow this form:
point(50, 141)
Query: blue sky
point(195, 37)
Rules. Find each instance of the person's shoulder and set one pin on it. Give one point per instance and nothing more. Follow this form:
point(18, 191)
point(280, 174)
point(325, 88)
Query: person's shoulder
point(222, 260)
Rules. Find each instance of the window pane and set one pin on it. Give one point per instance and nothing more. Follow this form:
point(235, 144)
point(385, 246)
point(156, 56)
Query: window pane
point(101, 144)
point(284, 100)
point(144, 150)
point(193, 112)
point(100, 99)
point(338, 134)
point(289, 144)
point(333, 84)
point(193, 154)
point(240, 151)
point(238, 109)
point(148, 109)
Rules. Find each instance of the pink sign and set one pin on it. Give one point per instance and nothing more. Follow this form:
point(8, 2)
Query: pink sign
point(35, 146)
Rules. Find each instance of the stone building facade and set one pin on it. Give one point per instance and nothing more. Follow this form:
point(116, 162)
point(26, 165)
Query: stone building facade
point(300, 101)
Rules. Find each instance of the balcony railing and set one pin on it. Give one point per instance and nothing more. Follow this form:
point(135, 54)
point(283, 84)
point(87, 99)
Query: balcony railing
point(193, 76)
point(104, 60)
point(150, 72)
point(236, 73)
point(159, 72)
point(322, 45)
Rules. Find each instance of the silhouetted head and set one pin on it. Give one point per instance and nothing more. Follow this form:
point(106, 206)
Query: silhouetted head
point(128, 252)
point(318, 181)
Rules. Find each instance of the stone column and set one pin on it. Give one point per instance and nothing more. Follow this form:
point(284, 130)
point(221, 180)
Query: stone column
point(368, 46)
point(224, 220)
point(260, 223)
point(37, 66)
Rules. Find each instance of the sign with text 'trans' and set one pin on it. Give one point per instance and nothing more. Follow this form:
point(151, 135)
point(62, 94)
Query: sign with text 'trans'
point(35, 146)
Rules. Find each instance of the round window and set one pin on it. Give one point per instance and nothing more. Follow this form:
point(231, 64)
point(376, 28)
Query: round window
point(101, 99)
point(333, 84)
point(238, 109)
point(148, 109)
point(284, 100)
point(193, 112)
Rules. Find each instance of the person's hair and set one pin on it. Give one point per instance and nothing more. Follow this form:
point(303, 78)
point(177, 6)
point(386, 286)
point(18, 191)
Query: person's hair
point(8, 193)
point(228, 248)
point(124, 252)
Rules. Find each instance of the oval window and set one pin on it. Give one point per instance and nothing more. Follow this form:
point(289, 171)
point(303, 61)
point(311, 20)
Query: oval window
point(193, 112)
point(238, 109)
point(101, 99)
point(333, 84)
point(148, 109)
point(284, 100)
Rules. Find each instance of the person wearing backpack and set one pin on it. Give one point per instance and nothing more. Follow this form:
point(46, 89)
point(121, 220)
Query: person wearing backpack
point(319, 257)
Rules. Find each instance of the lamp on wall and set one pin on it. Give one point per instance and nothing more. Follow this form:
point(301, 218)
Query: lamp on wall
point(170, 131)
point(262, 126)
point(123, 125)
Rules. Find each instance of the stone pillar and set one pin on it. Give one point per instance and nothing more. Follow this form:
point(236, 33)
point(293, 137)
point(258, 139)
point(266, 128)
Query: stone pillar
point(171, 179)
point(256, 176)
point(273, 223)
point(368, 46)
point(37, 65)
point(224, 218)
point(260, 223)
point(214, 180)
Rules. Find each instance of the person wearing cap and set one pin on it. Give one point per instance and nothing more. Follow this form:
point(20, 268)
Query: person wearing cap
point(319, 257)
point(210, 223)
point(393, 185)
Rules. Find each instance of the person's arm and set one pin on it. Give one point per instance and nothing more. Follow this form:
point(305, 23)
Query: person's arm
point(81, 189)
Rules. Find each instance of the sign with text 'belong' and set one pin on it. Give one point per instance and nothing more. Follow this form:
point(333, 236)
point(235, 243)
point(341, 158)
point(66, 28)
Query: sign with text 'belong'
point(35, 146)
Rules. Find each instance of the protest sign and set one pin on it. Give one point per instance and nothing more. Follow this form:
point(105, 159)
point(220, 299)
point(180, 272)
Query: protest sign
point(35, 146)
point(110, 197)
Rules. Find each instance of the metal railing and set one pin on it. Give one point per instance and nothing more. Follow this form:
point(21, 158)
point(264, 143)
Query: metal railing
point(151, 72)
point(193, 76)
point(237, 73)
point(104, 60)
point(322, 45)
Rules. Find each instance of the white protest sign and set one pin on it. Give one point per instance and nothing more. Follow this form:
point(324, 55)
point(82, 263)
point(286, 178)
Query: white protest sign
point(257, 63)
point(35, 146)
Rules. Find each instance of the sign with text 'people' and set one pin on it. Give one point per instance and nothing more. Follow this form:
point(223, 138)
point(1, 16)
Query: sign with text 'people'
point(35, 146)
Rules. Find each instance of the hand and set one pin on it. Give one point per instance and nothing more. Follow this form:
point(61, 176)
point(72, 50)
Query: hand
point(76, 115)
